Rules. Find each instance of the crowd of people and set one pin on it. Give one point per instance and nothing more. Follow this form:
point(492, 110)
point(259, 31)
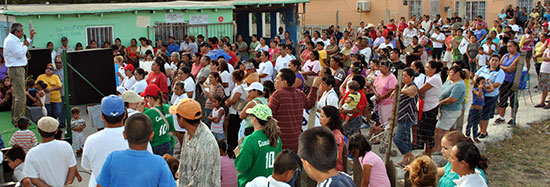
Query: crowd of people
point(225, 113)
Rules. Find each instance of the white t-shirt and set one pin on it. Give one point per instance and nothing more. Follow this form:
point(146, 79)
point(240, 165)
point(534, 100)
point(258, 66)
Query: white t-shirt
point(259, 48)
point(431, 97)
point(175, 100)
point(366, 52)
point(545, 66)
point(426, 25)
point(439, 36)
point(282, 62)
point(474, 179)
point(50, 162)
point(189, 86)
point(238, 89)
point(226, 78)
point(122, 72)
point(139, 86)
point(420, 80)
point(266, 68)
point(128, 83)
point(515, 27)
point(261, 181)
point(384, 45)
point(326, 42)
point(329, 98)
point(98, 146)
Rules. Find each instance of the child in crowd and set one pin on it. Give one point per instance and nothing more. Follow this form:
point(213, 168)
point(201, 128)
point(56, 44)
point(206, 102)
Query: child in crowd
point(23, 137)
point(474, 116)
point(217, 117)
point(147, 169)
point(352, 100)
point(173, 164)
point(49, 156)
point(319, 153)
point(481, 58)
point(423, 171)
point(44, 97)
point(285, 165)
point(16, 160)
point(33, 98)
point(132, 102)
point(178, 93)
point(228, 171)
point(77, 126)
point(370, 162)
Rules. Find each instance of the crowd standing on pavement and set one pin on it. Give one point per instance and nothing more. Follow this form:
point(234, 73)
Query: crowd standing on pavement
point(277, 111)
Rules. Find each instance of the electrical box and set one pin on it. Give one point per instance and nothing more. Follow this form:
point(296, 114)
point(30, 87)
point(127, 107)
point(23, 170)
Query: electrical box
point(363, 6)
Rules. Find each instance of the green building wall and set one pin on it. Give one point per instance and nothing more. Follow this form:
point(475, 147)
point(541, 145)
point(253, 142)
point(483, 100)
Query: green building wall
point(52, 27)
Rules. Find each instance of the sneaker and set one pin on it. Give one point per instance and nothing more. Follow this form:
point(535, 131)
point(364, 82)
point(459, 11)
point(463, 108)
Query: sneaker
point(499, 121)
point(510, 122)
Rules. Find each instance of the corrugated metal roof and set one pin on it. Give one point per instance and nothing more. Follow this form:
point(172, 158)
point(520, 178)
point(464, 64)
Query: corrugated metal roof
point(55, 9)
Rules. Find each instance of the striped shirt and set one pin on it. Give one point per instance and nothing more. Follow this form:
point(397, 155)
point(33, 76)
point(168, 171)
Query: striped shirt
point(407, 107)
point(24, 138)
point(340, 180)
point(288, 106)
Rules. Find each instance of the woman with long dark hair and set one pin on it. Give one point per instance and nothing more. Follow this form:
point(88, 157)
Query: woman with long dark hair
point(330, 117)
point(235, 103)
point(158, 75)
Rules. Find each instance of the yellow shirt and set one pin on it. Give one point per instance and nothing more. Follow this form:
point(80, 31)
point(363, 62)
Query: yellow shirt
point(539, 49)
point(52, 82)
point(323, 58)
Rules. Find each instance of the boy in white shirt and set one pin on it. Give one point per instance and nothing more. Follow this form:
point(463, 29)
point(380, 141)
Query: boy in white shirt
point(285, 165)
point(52, 162)
point(283, 60)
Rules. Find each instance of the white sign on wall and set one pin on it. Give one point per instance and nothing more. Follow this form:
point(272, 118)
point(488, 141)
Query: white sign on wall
point(174, 18)
point(143, 21)
point(198, 19)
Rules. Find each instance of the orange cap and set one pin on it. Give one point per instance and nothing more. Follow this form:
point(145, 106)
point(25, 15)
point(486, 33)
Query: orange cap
point(188, 109)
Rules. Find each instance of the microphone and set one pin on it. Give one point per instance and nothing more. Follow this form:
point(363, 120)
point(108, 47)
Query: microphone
point(25, 37)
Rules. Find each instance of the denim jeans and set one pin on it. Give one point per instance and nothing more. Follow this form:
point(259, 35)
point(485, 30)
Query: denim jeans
point(353, 126)
point(1, 142)
point(62, 116)
point(474, 116)
point(402, 138)
point(54, 109)
point(162, 149)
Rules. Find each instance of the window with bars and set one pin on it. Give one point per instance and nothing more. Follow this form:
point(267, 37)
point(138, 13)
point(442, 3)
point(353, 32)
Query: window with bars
point(415, 8)
point(473, 9)
point(100, 34)
point(528, 4)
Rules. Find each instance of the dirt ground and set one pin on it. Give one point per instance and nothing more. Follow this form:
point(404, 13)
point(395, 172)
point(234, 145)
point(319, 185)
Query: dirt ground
point(522, 160)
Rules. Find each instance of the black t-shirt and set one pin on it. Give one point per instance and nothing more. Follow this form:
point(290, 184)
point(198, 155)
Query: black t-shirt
point(509, 13)
point(397, 66)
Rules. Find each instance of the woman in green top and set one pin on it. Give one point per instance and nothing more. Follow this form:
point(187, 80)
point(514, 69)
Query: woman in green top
point(257, 153)
point(163, 124)
point(255, 96)
point(446, 174)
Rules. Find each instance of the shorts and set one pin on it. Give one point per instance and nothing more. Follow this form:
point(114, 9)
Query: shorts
point(78, 140)
point(529, 54)
point(219, 136)
point(544, 82)
point(448, 57)
point(506, 93)
point(447, 119)
point(488, 111)
point(436, 53)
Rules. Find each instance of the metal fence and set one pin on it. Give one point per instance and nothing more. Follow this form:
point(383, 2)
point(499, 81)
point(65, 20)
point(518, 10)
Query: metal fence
point(178, 30)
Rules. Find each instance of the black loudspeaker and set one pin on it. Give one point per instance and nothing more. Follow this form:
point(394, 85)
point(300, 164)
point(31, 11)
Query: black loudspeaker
point(39, 59)
point(97, 66)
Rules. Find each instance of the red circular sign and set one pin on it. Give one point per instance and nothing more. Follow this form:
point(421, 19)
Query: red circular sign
point(220, 18)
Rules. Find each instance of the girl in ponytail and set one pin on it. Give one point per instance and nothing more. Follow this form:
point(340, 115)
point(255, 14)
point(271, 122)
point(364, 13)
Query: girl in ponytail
point(256, 155)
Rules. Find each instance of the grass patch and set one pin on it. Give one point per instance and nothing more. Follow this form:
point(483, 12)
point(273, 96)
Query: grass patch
point(521, 160)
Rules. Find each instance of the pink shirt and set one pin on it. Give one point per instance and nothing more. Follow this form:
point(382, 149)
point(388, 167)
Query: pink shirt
point(340, 142)
point(383, 85)
point(378, 175)
point(195, 68)
point(313, 66)
point(228, 172)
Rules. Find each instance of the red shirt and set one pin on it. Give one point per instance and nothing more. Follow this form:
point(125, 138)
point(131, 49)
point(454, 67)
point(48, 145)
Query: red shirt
point(402, 27)
point(288, 106)
point(233, 58)
point(158, 79)
point(391, 27)
point(361, 105)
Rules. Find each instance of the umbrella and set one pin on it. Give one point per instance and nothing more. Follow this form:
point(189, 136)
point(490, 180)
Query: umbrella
point(216, 53)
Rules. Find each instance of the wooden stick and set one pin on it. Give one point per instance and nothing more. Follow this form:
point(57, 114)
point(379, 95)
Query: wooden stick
point(395, 112)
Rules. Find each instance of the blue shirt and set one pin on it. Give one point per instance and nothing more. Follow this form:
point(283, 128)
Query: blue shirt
point(455, 90)
point(173, 48)
point(135, 168)
point(480, 33)
point(116, 76)
point(496, 76)
point(507, 62)
point(478, 100)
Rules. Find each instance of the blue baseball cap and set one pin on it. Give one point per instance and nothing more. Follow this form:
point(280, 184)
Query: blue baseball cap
point(112, 106)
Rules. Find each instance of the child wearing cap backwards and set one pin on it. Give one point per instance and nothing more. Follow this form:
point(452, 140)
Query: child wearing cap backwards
point(285, 165)
point(23, 137)
point(132, 102)
point(16, 160)
point(256, 154)
point(77, 126)
point(319, 152)
point(100, 144)
point(52, 162)
point(200, 162)
point(136, 166)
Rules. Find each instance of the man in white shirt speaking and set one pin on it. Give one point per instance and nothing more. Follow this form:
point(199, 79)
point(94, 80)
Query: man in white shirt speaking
point(15, 55)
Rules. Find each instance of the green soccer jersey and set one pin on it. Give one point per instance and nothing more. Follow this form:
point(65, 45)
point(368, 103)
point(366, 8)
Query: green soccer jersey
point(256, 157)
point(160, 128)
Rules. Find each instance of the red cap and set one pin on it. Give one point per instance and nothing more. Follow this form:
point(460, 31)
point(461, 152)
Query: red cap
point(129, 67)
point(150, 90)
point(545, 24)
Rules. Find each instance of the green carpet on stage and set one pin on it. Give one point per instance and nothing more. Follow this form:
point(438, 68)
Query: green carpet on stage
point(7, 129)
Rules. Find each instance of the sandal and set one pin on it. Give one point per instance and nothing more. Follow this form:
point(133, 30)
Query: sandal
point(540, 106)
point(547, 106)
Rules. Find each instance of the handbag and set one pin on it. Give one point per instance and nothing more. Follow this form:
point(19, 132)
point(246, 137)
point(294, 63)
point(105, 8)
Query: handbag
point(241, 103)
